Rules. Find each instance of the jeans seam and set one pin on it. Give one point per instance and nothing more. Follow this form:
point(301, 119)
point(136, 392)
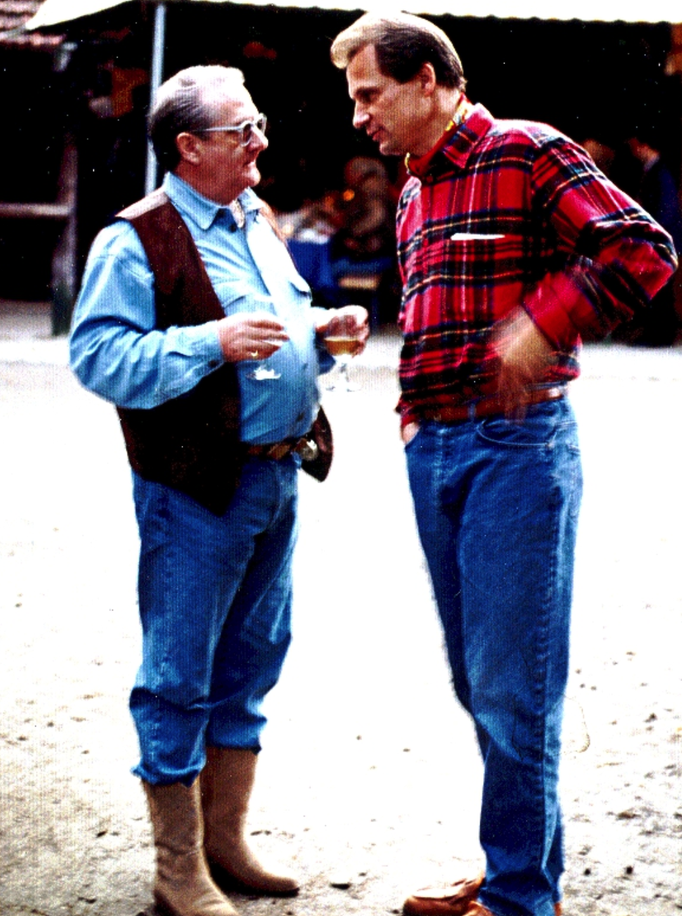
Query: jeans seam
point(550, 598)
point(156, 743)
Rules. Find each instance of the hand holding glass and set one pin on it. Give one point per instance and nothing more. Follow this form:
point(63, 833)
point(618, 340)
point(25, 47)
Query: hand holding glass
point(343, 339)
point(268, 336)
point(247, 336)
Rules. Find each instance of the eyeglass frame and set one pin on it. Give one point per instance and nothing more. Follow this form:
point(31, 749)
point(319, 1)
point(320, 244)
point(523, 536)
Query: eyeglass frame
point(259, 123)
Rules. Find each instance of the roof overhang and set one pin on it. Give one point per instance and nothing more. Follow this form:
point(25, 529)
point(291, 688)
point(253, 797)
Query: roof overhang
point(53, 12)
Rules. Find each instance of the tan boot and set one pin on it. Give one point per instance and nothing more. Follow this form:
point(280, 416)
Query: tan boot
point(183, 884)
point(226, 785)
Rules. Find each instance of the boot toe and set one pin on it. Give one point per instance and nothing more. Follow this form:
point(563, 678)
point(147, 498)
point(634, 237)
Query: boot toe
point(262, 883)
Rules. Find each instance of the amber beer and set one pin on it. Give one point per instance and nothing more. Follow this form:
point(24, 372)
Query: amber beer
point(341, 346)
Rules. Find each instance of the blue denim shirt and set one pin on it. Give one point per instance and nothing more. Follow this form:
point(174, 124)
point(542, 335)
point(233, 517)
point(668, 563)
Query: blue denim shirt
point(117, 352)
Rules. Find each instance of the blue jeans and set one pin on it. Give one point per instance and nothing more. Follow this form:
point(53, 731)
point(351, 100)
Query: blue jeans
point(215, 607)
point(497, 505)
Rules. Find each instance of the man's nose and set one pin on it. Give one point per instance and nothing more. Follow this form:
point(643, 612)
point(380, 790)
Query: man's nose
point(360, 116)
point(258, 140)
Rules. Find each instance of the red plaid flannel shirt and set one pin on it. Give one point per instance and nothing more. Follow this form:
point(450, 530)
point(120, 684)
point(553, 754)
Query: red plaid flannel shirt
point(511, 214)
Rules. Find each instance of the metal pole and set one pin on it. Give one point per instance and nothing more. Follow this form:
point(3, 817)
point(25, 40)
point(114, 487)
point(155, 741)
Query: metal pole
point(155, 79)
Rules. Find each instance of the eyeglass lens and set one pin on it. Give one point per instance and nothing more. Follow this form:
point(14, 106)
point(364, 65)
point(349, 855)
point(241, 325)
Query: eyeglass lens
point(246, 135)
point(244, 130)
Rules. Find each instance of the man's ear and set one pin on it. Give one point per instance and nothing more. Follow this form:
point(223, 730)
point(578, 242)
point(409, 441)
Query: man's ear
point(189, 147)
point(427, 79)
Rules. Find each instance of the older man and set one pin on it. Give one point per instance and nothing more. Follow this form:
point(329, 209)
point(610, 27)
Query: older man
point(193, 320)
point(512, 247)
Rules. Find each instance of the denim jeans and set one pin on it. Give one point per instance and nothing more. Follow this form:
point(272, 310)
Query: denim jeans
point(215, 607)
point(497, 504)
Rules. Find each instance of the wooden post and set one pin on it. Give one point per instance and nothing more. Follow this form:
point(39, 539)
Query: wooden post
point(64, 257)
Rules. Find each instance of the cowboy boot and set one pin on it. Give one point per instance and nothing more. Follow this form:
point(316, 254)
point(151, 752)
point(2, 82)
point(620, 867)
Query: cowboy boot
point(183, 884)
point(226, 785)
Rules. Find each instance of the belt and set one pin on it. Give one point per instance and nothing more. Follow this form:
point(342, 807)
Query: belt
point(486, 406)
point(276, 451)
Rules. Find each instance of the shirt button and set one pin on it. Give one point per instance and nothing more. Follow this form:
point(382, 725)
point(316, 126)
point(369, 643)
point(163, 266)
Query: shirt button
point(300, 417)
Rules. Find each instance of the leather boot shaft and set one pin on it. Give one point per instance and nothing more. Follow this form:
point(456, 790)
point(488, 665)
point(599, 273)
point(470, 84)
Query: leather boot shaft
point(183, 885)
point(226, 785)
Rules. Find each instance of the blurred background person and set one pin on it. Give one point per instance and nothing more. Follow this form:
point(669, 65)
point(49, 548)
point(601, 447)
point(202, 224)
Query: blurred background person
point(363, 250)
point(657, 191)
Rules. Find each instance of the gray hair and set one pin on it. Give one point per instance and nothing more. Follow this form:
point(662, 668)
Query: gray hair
point(188, 101)
point(403, 44)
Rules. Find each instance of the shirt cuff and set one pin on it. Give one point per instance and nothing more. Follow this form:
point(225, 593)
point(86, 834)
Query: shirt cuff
point(320, 315)
point(213, 351)
point(560, 309)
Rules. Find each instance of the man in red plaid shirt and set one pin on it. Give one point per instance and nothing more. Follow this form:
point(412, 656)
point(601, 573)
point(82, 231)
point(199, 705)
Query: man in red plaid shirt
point(513, 247)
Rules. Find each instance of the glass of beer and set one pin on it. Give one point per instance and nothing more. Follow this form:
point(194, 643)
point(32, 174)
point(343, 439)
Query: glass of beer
point(342, 340)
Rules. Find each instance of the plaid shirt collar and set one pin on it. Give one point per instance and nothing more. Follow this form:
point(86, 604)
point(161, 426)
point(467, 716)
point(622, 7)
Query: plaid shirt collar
point(454, 147)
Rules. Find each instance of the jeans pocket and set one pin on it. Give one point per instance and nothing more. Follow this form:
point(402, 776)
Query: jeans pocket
point(540, 428)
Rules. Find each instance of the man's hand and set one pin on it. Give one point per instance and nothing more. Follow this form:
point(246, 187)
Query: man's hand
point(357, 327)
point(250, 335)
point(525, 355)
point(409, 431)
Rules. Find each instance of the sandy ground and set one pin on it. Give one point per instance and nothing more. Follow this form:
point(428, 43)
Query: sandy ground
point(369, 779)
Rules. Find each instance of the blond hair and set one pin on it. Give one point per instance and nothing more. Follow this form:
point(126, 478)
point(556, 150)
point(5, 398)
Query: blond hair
point(403, 44)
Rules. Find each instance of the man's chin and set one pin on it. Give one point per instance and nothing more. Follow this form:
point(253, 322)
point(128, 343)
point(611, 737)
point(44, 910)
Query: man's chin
point(252, 176)
point(386, 148)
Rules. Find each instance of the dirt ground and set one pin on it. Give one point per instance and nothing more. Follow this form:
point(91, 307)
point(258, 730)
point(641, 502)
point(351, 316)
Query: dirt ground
point(369, 780)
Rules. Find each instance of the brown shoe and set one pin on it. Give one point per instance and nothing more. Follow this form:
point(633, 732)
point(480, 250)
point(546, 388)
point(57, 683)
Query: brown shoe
point(477, 909)
point(457, 899)
point(450, 900)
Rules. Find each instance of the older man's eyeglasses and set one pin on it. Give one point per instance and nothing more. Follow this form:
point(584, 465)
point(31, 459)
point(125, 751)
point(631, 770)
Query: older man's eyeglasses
point(245, 131)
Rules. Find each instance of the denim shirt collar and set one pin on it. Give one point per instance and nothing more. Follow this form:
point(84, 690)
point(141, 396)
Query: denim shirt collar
point(200, 209)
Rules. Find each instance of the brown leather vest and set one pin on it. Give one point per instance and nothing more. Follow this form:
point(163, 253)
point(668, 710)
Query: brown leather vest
point(191, 442)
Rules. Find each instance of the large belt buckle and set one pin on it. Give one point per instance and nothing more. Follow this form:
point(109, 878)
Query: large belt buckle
point(307, 449)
